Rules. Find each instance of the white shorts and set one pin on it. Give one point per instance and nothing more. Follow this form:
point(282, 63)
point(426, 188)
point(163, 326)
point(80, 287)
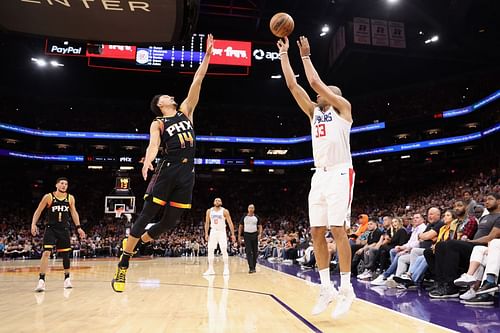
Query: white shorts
point(331, 196)
point(217, 236)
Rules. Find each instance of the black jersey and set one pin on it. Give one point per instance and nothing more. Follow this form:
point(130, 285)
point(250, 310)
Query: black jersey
point(177, 136)
point(58, 211)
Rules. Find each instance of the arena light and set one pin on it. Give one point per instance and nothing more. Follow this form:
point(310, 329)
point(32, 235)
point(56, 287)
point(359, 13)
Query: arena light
point(126, 167)
point(246, 170)
point(219, 170)
point(403, 157)
point(95, 167)
point(324, 30)
point(378, 160)
point(54, 63)
point(39, 62)
point(276, 76)
point(392, 1)
point(433, 39)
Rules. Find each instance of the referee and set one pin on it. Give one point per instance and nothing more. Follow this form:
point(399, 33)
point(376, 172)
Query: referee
point(249, 225)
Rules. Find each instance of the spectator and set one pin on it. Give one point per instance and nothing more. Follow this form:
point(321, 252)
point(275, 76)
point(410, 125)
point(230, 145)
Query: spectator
point(469, 202)
point(369, 249)
point(396, 252)
point(452, 257)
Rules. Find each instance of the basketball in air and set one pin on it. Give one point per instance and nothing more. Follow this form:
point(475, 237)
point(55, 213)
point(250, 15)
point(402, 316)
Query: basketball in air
point(281, 25)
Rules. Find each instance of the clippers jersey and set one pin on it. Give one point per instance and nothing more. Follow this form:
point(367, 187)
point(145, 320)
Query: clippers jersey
point(177, 136)
point(330, 138)
point(58, 211)
point(217, 219)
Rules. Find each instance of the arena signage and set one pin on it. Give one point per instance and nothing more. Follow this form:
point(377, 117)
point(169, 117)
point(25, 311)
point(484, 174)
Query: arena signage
point(233, 53)
point(116, 21)
point(65, 48)
point(260, 54)
point(126, 52)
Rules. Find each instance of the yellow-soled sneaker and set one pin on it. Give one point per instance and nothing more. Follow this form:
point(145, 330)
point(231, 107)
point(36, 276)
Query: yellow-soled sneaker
point(118, 282)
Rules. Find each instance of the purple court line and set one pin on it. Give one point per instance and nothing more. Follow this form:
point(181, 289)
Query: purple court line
point(277, 299)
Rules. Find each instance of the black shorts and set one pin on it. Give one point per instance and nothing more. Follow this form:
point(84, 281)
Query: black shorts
point(172, 184)
point(57, 236)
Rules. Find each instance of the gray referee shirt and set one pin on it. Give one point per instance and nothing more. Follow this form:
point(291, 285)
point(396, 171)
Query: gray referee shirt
point(250, 223)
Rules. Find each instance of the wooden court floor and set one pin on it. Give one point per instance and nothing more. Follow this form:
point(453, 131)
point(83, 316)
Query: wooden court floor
point(171, 295)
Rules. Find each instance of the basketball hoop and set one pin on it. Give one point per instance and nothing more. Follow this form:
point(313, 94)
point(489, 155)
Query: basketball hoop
point(118, 211)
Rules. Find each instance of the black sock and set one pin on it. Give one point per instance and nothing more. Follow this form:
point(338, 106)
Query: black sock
point(66, 275)
point(125, 259)
point(42, 276)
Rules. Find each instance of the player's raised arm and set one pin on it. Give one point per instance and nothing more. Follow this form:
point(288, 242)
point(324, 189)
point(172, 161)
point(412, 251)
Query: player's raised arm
point(333, 98)
point(38, 212)
point(297, 91)
point(189, 104)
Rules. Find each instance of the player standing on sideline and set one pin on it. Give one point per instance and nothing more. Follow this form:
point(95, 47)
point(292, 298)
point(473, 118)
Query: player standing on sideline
point(216, 218)
point(60, 204)
point(332, 183)
point(173, 180)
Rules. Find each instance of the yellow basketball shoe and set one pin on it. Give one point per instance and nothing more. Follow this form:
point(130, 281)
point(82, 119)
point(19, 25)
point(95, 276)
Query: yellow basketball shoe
point(118, 282)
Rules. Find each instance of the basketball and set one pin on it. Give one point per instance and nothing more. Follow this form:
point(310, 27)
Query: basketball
point(281, 25)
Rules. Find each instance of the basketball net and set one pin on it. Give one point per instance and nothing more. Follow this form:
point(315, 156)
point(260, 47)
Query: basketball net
point(118, 212)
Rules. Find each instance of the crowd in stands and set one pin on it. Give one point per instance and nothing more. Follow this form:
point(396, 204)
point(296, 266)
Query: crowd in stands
point(387, 228)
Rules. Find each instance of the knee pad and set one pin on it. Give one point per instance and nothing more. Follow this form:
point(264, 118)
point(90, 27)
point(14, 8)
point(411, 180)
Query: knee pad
point(65, 257)
point(148, 213)
point(171, 217)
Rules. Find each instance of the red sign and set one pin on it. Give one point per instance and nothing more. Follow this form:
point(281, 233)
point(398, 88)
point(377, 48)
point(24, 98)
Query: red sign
point(230, 52)
point(111, 51)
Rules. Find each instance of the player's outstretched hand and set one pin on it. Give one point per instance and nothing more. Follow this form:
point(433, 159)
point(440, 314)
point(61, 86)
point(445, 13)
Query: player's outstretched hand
point(34, 229)
point(305, 49)
point(283, 44)
point(145, 168)
point(233, 239)
point(206, 237)
point(210, 44)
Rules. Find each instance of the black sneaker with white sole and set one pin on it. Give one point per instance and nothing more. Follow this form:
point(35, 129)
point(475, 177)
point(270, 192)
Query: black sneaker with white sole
point(445, 291)
point(487, 287)
point(483, 299)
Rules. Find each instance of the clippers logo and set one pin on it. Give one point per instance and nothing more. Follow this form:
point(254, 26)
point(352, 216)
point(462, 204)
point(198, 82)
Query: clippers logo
point(234, 53)
point(126, 52)
point(325, 118)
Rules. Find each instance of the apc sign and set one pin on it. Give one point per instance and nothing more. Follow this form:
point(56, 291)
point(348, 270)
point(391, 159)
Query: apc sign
point(264, 55)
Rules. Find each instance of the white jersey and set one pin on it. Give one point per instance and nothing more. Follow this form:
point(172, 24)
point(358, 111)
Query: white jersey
point(330, 139)
point(217, 219)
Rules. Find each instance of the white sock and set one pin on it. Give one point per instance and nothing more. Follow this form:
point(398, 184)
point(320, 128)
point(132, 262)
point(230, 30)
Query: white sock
point(345, 279)
point(210, 264)
point(324, 276)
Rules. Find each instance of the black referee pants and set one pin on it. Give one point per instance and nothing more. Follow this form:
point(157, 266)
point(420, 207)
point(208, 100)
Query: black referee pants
point(251, 248)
